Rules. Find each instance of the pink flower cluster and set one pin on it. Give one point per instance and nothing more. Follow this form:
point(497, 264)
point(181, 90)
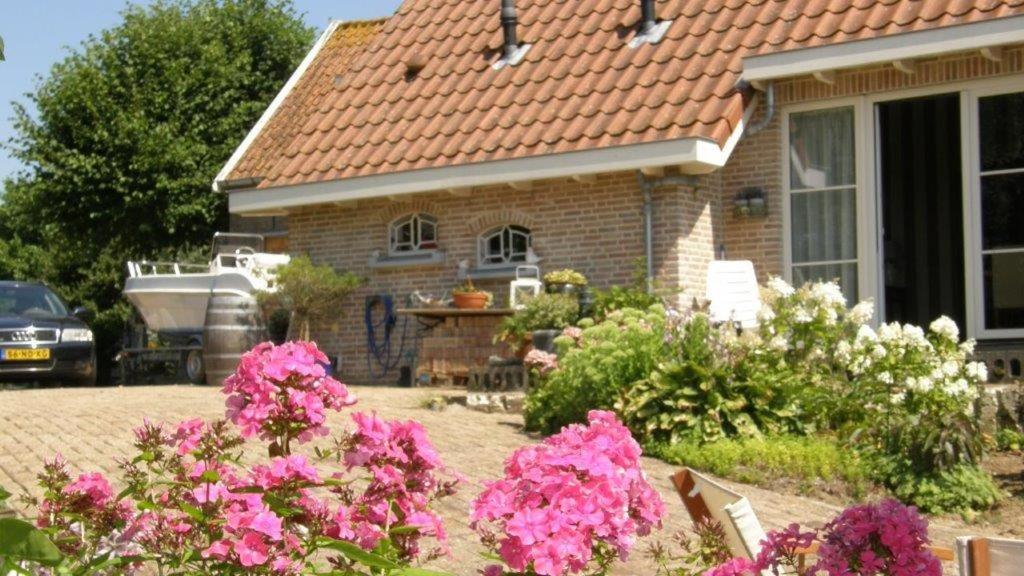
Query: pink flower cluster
point(578, 495)
point(884, 539)
point(544, 362)
point(734, 567)
point(282, 393)
point(405, 479)
point(888, 538)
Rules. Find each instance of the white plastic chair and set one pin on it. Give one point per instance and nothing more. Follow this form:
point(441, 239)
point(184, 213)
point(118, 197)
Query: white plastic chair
point(706, 499)
point(733, 292)
point(989, 556)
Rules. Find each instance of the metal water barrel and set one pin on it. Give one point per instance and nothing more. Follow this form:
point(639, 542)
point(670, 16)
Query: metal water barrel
point(233, 326)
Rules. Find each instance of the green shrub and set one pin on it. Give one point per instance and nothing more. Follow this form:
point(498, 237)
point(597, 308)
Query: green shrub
point(711, 389)
point(540, 312)
point(1009, 440)
point(765, 461)
point(634, 296)
point(597, 368)
point(961, 489)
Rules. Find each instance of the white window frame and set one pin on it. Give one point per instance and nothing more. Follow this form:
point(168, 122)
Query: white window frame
point(869, 224)
point(865, 278)
point(414, 219)
point(976, 255)
point(481, 249)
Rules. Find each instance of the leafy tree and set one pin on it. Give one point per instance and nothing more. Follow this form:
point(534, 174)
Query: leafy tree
point(130, 130)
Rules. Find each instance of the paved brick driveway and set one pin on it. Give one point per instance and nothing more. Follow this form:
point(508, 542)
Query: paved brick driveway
point(91, 427)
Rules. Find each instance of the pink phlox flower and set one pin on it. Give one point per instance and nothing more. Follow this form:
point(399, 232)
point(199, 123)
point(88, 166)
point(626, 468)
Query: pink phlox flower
point(560, 499)
point(94, 486)
point(219, 550)
point(251, 550)
point(292, 469)
point(734, 567)
point(188, 435)
point(283, 389)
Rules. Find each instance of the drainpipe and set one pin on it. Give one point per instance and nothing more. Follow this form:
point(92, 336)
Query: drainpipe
point(769, 112)
point(647, 185)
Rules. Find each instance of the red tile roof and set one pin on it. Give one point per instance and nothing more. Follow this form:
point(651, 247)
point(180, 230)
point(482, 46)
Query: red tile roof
point(359, 112)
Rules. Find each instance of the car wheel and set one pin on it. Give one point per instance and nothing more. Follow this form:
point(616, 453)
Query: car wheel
point(195, 368)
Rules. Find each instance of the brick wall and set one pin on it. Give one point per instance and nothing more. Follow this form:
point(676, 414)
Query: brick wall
point(593, 227)
point(456, 346)
point(757, 159)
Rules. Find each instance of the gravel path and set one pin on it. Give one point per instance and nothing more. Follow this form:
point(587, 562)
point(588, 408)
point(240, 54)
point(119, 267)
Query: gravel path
point(91, 427)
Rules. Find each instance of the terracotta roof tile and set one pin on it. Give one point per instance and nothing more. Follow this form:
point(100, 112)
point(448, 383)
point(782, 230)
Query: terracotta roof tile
point(358, 112)
point(274, 141)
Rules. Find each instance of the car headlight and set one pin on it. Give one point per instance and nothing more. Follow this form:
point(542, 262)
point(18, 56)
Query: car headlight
point(76, 335)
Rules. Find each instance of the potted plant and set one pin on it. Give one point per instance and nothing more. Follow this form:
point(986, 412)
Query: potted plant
point(310, 293)
point(539, 322)
point(566, 281)
point(469, 297)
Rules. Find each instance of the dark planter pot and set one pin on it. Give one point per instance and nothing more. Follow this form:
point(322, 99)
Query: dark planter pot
point(569, 289)
point(586, 302)
point(544, 340)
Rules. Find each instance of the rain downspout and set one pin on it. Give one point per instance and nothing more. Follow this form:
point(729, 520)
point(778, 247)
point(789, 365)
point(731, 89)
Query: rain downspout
point(769, 112)
point(647, 185)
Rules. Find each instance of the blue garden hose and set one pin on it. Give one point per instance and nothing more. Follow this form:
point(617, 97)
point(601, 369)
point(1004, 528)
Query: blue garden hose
point(382, 351)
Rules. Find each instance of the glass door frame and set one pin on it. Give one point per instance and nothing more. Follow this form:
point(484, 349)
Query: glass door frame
point(870, 255)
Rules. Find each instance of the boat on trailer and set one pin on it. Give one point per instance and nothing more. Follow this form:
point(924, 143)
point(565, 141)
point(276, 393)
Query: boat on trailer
point(172, 297)
point(206, 314)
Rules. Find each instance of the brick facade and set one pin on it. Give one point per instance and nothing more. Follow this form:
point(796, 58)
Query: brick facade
point(593, 227)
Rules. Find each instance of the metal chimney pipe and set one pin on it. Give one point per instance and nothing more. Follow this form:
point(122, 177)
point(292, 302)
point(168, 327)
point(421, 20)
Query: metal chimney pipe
point(509, 23)
point(648, 16)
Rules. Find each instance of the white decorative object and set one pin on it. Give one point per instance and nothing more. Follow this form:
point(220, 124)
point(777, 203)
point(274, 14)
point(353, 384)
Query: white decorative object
point(526, 285)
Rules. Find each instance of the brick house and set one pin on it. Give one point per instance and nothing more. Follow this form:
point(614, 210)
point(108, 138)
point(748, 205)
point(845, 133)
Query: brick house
point(880, 142)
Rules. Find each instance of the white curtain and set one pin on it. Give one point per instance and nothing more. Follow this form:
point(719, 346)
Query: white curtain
point(823, 197)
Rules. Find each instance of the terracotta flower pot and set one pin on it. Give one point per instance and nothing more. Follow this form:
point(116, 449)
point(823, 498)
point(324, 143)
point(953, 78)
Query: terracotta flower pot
point(470, 300)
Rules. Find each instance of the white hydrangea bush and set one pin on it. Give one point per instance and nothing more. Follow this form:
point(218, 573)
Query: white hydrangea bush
point(894, 367)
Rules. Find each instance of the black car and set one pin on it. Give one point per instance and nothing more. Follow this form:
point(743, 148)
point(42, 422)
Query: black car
point(40, 340)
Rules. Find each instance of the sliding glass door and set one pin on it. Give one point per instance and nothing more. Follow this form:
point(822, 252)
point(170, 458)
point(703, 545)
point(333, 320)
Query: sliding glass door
point(1000, 214)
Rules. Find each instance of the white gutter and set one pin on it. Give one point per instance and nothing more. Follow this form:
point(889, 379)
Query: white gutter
point(908, 45)
point(272, 109)
point(691, 155)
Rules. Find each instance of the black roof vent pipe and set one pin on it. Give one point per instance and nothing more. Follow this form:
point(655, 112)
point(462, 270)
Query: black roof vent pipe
point(648, 16)
point(509, 23)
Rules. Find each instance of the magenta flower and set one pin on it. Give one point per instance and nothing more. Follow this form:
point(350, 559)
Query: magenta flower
point(94, 486)
point(580, 493)
point(734, 567)
point(282, 393)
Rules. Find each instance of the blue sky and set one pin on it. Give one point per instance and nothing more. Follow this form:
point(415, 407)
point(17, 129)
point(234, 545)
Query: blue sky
point(38, 33)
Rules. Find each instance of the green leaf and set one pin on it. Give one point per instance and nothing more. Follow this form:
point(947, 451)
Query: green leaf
point(410, 571)
point(22, 541)
point(193, 512)
point(357, 554)
point(4, 494)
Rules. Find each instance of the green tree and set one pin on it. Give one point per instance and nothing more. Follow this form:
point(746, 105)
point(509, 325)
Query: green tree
point(129, 131)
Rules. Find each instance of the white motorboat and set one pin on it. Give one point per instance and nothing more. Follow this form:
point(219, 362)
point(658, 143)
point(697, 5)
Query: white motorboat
point(172, 297)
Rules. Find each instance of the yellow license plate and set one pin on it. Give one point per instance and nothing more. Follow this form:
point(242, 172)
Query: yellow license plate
point(27, 354)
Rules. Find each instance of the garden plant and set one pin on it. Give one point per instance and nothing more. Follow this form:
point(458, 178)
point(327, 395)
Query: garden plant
point(900, 396)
